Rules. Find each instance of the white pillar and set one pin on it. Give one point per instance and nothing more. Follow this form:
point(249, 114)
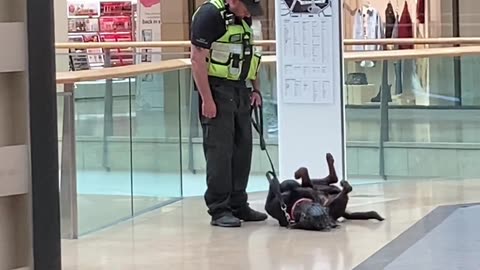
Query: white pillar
point(15, 196)
point(310, 86)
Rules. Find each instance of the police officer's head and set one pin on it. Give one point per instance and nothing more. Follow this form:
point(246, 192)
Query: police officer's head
point(245, 8)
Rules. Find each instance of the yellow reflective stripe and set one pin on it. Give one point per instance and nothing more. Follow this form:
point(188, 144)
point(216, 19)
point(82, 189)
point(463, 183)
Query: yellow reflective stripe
point(220, 4)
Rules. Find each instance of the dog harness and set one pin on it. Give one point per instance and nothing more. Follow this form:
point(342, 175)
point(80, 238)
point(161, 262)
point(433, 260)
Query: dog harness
point(292, 211)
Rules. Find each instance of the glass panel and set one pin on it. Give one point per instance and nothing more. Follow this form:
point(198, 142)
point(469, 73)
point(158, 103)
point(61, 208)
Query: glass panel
point(103, 153)
point(425, 131)
point(470, 81)
point(193, 157)
point(60, 108)
point(363, 81)
point(65, 221)
point(155, 141)
point(260, 164)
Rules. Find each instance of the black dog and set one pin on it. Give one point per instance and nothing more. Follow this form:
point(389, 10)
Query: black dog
point(315, 204)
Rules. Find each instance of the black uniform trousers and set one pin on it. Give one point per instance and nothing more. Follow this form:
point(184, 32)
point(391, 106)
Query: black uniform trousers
point(227, 144)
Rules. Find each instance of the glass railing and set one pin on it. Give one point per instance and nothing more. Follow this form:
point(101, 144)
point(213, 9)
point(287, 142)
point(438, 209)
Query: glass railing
point(427, 124)
point(138, 144)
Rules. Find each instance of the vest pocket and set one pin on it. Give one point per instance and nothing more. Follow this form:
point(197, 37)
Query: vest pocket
point(221, 58)
point(254, 66)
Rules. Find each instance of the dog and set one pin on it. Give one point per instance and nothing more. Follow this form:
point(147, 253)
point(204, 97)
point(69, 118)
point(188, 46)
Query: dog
point(312, 204)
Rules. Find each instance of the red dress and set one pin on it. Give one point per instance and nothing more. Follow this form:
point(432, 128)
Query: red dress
point(421, 11)
point(405, 27)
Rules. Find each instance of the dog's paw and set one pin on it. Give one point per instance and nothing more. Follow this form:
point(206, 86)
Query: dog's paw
point(301, 173)
point(346, 186)
point(378, 217)
point(330, 159)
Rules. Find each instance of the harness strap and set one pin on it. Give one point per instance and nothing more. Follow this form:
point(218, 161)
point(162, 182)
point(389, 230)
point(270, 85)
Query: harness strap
point(292, 211)
point(272, 179)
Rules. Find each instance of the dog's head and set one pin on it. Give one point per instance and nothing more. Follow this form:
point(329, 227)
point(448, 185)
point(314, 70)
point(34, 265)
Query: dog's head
point(314, 217)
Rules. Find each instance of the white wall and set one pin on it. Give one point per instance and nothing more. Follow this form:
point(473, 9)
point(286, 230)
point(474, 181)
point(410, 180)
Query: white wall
point(61, 31)
point(15, 215)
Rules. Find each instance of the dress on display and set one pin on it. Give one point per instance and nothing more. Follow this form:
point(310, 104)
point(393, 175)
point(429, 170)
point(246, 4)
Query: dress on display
point(390, 21)
point(410, 80)
point(391, 31)
point(367, 25)
point(422, 63)
point(421, 11)
point(405, 29)
point(391, 25)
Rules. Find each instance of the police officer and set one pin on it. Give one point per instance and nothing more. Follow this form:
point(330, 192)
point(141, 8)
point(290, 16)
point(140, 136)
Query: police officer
point(223, 61)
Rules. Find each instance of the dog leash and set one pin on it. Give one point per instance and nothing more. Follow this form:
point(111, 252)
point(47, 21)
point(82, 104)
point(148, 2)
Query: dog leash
point(257, 123)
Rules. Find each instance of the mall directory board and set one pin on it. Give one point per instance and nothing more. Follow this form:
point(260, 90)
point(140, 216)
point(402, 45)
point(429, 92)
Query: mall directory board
point(309, 79)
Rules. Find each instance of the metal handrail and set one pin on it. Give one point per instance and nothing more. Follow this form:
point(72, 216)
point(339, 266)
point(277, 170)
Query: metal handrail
point(347, 42)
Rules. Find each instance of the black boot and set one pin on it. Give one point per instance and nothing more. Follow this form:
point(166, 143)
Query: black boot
point(247, 214)
point(226, 221)
point(388, 93)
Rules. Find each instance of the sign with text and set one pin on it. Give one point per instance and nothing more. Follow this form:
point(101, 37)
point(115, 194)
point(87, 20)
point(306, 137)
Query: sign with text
point(309, 68)
point(149, 94)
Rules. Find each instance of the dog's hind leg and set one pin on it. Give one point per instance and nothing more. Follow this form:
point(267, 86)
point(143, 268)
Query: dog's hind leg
point(338, 204)
point(332, 177)
point(363, 215)
point(303, 174)
point(332, 173)
point(289, 185)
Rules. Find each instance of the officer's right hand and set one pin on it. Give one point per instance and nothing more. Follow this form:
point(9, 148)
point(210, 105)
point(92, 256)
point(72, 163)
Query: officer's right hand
point(209, 109)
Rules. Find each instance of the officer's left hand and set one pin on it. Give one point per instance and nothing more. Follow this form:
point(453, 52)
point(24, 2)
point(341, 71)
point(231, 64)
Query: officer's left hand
point(256, 99)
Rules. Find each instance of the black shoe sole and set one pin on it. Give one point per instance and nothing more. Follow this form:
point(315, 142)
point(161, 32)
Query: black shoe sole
point(214, 223)
point(253, 220)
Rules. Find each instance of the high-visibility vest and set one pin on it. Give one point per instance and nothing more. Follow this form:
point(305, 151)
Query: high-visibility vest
point(233, 56)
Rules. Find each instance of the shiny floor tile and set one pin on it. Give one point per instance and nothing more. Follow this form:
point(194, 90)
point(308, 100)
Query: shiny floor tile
point(179, 236)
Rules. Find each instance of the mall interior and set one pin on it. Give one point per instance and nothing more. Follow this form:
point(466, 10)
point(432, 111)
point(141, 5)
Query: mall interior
point(102, 164)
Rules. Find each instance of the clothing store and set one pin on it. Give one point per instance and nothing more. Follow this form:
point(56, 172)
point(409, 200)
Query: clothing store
point(407, 80)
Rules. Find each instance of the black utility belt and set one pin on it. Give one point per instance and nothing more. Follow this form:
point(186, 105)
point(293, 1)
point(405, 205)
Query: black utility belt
point(223, 81)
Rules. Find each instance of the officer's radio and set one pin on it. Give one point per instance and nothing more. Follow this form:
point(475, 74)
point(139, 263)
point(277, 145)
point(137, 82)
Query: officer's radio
point(228, 16)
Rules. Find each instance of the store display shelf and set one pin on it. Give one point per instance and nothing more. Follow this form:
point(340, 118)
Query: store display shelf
point(101, 21)
point(14, 170)
point(84, 17)
point(116, 16)
point(115, 32)
point(73, 33)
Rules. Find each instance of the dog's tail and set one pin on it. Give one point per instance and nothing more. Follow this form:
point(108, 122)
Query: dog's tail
point(362, 216)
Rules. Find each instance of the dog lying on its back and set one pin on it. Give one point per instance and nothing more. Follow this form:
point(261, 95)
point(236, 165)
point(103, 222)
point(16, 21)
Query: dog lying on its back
point(313, 204)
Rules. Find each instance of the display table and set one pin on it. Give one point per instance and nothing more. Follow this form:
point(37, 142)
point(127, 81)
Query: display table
point(360, 94)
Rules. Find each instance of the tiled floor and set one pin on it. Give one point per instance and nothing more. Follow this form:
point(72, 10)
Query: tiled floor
point(106, 197)
point(452, 244)
point(179, 236)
